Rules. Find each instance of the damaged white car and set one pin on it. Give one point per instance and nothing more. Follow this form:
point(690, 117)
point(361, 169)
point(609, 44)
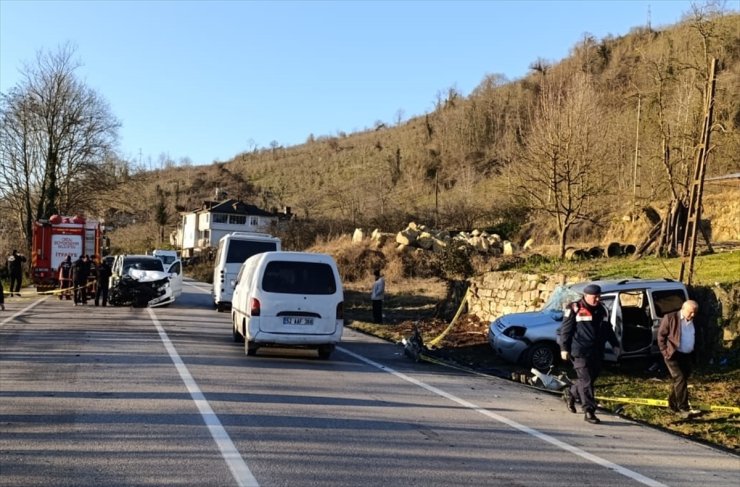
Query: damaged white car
point(141, 281)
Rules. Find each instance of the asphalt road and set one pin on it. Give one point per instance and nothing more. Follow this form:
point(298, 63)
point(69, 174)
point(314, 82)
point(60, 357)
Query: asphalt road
point(120, 396)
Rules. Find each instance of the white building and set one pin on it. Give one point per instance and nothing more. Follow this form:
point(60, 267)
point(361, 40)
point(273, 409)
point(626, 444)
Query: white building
point(202, 228)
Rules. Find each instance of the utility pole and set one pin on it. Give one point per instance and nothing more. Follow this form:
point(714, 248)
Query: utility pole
point(693, 221)
point(636, 169)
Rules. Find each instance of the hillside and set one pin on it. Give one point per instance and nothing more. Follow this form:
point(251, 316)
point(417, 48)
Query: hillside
point(474, 161)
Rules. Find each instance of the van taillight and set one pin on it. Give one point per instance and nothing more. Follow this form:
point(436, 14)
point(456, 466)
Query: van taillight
point(254, 307)
point(340, 310)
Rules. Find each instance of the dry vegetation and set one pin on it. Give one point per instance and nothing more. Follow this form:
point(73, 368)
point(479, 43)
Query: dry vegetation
point(470, 163)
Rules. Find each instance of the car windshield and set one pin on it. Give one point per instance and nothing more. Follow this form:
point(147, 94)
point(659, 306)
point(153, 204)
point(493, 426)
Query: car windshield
point(167, 259)
point(150, 264)
point(561, 296)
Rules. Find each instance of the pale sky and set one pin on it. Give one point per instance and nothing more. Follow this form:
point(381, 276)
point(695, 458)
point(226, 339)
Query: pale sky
point(208, 80)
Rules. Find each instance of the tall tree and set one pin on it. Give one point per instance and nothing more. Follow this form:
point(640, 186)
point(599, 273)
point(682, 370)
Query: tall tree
point(563, 157)
point(55, 132)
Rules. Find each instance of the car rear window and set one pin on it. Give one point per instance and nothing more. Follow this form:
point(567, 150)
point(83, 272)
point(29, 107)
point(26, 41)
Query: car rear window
point(241, 250)
point(288, 277)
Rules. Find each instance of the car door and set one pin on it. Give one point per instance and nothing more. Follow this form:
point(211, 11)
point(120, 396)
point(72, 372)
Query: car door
point(116, 271)
point(175, 272)
point(614, 312)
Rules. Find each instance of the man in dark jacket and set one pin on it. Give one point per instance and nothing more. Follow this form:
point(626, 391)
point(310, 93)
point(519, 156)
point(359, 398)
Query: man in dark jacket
point(103, 272)
point(65, 278)
point(80, 272)
point(676, 341)
point(583, 336)
point(15, 269)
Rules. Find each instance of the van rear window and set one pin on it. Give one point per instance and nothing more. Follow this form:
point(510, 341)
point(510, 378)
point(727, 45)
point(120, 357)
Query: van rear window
point(287, 277)
point(241, 250)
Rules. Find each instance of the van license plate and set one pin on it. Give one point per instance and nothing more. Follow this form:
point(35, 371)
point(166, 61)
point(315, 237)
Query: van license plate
point(290, 320)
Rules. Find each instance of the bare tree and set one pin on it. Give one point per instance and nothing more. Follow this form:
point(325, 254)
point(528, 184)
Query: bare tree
point(559, 175)
point(54, 134)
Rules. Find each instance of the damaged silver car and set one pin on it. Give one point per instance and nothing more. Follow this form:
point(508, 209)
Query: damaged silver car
point(635, 307)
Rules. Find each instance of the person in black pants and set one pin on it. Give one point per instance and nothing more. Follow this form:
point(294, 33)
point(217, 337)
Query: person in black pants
point(583, 336)
point(103, 272)
point(376, 296)
point(15, 269)
point(80, 272)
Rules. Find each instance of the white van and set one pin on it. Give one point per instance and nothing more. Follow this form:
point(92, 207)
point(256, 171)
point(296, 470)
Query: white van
point(288, 299)
point(233, 250)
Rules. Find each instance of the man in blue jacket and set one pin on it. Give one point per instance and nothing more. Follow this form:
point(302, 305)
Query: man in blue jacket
point(583, 336)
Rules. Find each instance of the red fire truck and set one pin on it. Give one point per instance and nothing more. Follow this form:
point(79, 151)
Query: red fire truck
point(56, 238)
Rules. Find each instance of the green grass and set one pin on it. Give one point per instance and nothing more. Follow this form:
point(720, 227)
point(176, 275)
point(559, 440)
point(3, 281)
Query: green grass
point(723, 268)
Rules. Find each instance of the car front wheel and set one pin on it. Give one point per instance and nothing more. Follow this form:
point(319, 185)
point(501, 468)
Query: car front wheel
point(542, 356)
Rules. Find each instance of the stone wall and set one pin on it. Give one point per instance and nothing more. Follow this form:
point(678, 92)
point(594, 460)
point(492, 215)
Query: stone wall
point(498, 293)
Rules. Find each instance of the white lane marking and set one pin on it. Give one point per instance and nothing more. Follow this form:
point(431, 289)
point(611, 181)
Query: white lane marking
point(18, 313)
point(238, 467)
point(502, 419)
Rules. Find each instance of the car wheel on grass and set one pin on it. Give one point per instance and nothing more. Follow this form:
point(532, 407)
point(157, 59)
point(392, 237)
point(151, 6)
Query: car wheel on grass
point(542, 356)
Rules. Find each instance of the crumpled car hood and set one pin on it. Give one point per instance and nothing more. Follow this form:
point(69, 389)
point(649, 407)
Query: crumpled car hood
point(147, 276)
point(533, 319)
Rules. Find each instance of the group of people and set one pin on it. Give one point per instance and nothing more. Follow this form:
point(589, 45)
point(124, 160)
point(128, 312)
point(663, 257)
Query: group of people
point(82, 277)
point(586, 330)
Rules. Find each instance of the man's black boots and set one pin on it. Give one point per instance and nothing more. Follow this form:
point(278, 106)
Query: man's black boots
point(591, 418)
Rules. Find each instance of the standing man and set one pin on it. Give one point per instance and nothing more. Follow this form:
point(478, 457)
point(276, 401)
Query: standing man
point(583, 336)
point(103, 272)
point(676, 341)
point(65, 278)
point(376, 296)
point(15, 269)
point(80, 271)
point(92, 275)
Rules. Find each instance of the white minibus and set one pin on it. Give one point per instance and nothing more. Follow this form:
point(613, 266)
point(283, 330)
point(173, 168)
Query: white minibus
point(233, 249)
